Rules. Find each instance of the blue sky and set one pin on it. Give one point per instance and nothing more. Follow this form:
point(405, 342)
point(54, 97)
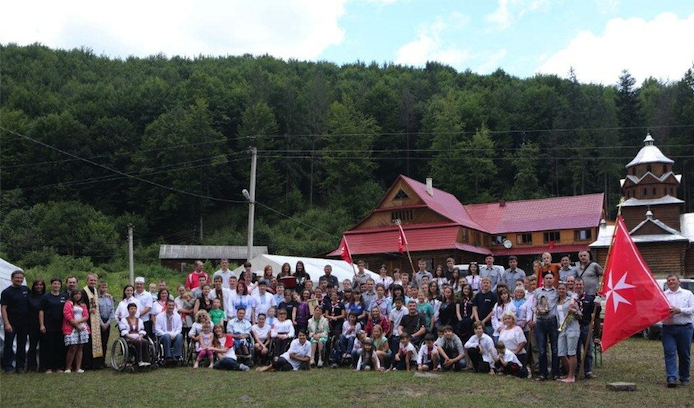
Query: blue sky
point(598, 38)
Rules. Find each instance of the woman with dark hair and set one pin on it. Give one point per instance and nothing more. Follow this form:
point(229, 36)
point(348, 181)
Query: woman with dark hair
point(241, 298)
point(473, 276)
point(301, 275)
point(38, 289)
point(439, 276)
point(448, 310)
point(75, 329)
point(286, 270)
point(203, 302)
point(52, 347)
point(464, 312)
point(128, 298)
point(159, 304)
point(133, 330)
point(303, 312)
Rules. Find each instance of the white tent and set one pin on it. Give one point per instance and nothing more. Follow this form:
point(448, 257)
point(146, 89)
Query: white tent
point(314, 266)
point(6, 270)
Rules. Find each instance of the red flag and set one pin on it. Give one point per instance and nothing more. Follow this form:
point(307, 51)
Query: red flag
point(402, 241)
point(344, 251)
point(551, 244)
point(634, 301)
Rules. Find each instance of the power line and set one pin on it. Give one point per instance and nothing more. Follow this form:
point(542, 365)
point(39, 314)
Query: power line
point(120, 172)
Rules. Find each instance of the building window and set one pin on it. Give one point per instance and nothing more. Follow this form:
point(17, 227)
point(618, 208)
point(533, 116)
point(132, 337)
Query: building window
point(465, 236)
point(402, 215)
point(583, 235)
point(654, 193)
point(645, 191)
point(664, 168)
point(648, 168)
point(524, 238)
point(551, 236)
point(498, 239)
point(401, 195)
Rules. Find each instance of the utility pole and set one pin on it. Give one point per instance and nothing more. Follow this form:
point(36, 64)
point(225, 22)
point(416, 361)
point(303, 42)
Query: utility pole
point(131, 257)
point(250, 196)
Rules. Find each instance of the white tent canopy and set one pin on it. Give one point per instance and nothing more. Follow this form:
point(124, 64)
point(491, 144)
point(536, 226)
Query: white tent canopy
point(314, 266)
point(6, 270)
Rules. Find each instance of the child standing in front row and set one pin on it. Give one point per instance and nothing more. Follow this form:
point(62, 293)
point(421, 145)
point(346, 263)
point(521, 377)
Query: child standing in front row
point(217, 315)
point(205, 346)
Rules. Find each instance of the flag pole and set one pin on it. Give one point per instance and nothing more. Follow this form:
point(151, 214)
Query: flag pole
point(594, 314)
point(407, 248)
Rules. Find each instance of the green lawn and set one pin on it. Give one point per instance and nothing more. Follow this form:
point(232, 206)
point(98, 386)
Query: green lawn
point(635, 360)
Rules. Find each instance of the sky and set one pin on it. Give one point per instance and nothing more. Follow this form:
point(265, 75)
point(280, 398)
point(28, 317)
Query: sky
point(597, 38)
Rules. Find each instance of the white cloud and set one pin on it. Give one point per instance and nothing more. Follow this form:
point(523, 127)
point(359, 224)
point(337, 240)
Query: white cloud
point(510, 10)
point(662, 48)
point(300, 29)
point(431, 46)
point(491, 61)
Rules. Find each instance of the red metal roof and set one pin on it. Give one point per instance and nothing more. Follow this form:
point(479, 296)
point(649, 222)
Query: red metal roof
point(547, 214)
point(443, 203)
point(558, 249)
point(425, 237)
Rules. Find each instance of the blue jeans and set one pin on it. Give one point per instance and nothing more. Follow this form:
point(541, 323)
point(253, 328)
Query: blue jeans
point(677, 342)
point(588, 367)
point(21, 334)
point(346, 344)
point(547, 328)
point(227, 363)
point(177, 343)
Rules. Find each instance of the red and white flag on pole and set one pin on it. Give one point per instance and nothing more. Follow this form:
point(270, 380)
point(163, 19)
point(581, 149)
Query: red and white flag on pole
point(402, 241)
point(633, 299)
point(344, 250)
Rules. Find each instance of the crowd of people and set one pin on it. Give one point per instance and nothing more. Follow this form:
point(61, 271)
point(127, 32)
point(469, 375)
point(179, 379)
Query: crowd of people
point(482, 319)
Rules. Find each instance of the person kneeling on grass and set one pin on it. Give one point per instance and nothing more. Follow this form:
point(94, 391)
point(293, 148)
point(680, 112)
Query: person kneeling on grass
point(506, 362)
point(451, 351)
point(226, 355)
point(480, 350)
point(428, 357)
point(406, 356)
point(296, 358)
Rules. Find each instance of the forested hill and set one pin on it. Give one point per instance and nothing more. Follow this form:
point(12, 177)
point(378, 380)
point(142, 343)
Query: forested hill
point(90, 144)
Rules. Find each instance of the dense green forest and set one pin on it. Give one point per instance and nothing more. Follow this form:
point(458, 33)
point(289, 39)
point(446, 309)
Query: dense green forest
point(90, 144)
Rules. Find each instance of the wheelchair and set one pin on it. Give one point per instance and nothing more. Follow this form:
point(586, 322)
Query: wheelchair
point(124, 355)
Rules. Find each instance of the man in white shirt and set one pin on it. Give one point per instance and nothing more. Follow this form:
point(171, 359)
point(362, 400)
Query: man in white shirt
point(677, 332)
point(263, 300)
point(168, 328)
point(224, 272)
point(146, 301)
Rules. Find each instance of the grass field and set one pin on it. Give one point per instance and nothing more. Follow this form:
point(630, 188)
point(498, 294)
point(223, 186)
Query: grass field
point(635, 360)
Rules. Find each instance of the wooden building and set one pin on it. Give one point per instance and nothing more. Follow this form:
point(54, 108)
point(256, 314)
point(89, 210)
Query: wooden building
point(438, 226)
point(654, 215)
point(182, 257)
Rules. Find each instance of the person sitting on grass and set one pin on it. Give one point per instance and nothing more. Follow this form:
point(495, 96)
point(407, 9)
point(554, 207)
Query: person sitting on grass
point(451, 351)
point(226, 355)
point(406, 357)
point(240, 330)
point(368, 360)
point(428, 356)
point(380, 342)
point(318, 331)
point(480, 350)
point(296, 358)
point(282, 334)
point(506, 362)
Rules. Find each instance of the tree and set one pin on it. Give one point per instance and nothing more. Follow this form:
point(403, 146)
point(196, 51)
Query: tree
point(629, 115)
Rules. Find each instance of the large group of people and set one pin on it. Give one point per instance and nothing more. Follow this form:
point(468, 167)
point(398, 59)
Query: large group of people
point(484, 320)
